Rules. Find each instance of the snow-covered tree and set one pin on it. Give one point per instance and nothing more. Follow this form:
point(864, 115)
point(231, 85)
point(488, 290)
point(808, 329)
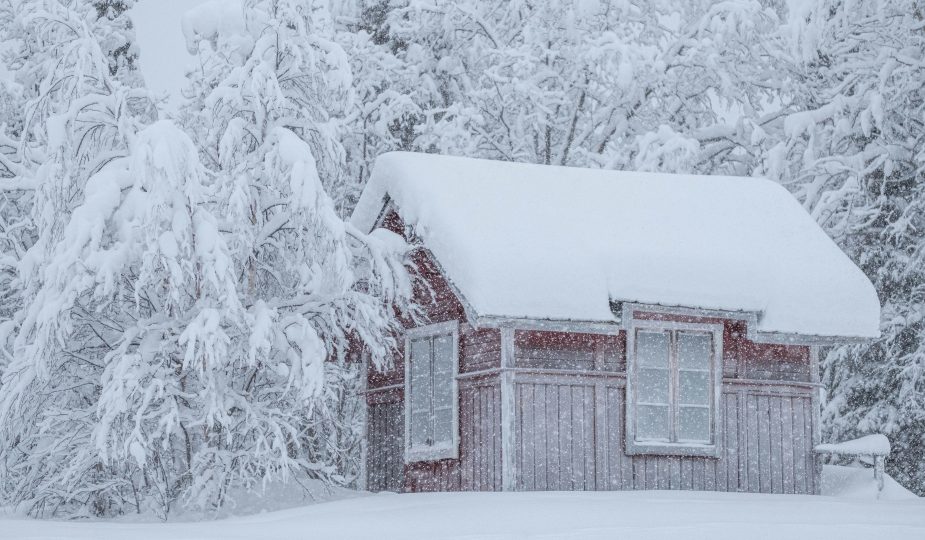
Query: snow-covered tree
point(656, 85)
point(855, 154)
point(33, 94)
point(387, 108)
point(183, 330)
point(76, 123)
point(270, 99)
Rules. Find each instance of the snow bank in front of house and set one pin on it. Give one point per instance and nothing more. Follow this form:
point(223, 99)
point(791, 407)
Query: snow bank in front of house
point(543, 242)
point(876, 445)
point(640, 515)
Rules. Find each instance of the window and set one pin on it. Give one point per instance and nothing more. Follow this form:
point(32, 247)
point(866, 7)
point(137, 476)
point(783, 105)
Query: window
point(431, 413)
point(673, 387)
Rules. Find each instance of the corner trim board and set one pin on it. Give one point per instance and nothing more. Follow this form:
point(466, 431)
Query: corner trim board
point(508, 407)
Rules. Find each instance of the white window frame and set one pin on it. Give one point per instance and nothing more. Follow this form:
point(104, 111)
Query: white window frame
point(433, 452)
point(634, 446)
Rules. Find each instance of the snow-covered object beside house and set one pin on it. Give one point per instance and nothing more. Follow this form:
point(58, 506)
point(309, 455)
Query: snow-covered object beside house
point(600, 330)
point(542, 242)
point(868, 445)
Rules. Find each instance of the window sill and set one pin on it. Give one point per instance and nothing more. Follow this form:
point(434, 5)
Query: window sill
point(432, 453)
point(637, 448)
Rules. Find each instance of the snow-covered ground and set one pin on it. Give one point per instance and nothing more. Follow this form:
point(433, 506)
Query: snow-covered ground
point(549, 515)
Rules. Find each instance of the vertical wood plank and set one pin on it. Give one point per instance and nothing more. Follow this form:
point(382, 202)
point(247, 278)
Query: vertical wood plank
point(687, 472)
point(560, 462)
point(776, 460)
point(589, 439)
point(372, 457)
point(466, 418)
point(498, 458)
point(551, 452)
point(664, 472)
point(385, 461)
point(810, 405)
point(487, 433)
point(602, 439)
point(528, 437)
point(729, 478)
point(764, 445)
point(787, 445)
point(651, 472)
point(710, 468)
point(697, 473)
point(585, 410)
point(816, 422)
point(627, 469)
point(507, 403)
point(675, 466)
point(495, 443)
point(639, 472)
point(480, 436)
point(801, 484)
point(751, 435)
point(519, 427)
point(541, 436)
point(578, 447)
point(742, 415)
point(491, 414)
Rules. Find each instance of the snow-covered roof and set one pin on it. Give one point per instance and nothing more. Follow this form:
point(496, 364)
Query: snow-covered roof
point(559, 243)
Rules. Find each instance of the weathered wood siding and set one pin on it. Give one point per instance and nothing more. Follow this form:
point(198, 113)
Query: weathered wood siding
point(571, 351)
point(385, 441)
point(480, 434)
point(479, 349)
point(570, 413)
point(555, 428)
point(571, 437)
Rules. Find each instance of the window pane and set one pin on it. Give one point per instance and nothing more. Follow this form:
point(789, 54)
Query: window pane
point(694, 387)
point(652, 386)
point(652, 422)
point(652, 349)
point(443, 426)
point(443, 371)
point(421, 390)
point(421, 428)
point(421, 393)
point(694, 424)
point(694, 350)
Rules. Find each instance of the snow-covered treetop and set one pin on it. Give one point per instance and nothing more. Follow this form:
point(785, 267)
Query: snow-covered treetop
point(545, 242)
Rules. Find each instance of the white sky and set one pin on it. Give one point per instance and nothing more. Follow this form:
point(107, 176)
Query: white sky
point(164, 58)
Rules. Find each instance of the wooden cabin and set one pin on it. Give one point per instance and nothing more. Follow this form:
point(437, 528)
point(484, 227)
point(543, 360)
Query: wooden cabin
point(604, 330)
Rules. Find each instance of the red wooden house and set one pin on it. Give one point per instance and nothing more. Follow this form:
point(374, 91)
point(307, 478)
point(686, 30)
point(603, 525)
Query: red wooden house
point(603, 330)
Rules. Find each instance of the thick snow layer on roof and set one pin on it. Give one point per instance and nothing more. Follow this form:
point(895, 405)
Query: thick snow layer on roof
point(544, 242)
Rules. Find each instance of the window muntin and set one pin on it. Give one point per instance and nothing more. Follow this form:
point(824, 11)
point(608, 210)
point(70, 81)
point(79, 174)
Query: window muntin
point(431, 423)
point(674, 381)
